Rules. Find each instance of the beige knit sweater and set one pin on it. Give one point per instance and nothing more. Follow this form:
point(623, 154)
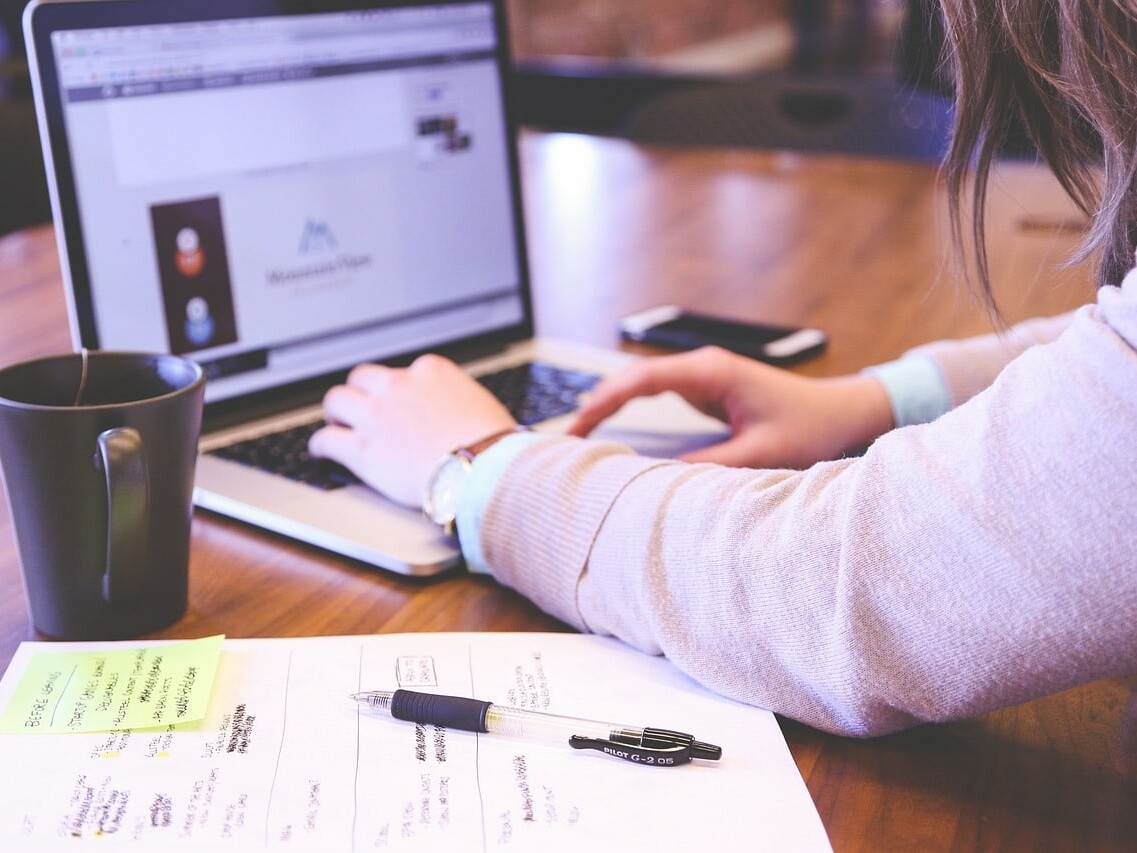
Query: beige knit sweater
point(974, 562)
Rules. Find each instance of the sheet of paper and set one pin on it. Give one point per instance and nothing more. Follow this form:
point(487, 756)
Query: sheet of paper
point(103, 689)
point(285, 759)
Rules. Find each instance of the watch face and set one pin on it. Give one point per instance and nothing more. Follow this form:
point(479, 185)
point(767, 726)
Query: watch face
point(444, 489)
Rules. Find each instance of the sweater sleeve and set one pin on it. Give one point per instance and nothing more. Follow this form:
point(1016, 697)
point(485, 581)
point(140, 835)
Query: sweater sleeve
point(958, 566)
point(968, 366)
point(929, 380)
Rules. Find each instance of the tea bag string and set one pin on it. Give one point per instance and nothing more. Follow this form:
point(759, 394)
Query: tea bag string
point(82, 377)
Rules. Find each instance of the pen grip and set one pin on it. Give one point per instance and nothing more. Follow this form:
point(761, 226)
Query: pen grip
point(455, 712)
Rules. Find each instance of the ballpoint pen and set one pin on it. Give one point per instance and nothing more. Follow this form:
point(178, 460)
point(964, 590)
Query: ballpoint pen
point(649, 746)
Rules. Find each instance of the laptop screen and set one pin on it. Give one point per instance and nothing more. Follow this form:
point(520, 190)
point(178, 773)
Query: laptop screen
point(280, 196)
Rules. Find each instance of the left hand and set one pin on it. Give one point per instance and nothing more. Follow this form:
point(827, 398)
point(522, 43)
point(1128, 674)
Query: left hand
point(391, 426)
point(777, 419)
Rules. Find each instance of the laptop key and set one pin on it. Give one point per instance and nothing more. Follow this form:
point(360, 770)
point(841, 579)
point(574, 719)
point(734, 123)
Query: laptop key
point(535, 391)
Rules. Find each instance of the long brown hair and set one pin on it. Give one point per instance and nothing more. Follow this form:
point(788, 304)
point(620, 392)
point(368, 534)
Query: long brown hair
point(1067, 69)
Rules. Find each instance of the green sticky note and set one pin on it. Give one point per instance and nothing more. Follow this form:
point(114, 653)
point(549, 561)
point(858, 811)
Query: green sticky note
point(113, 687)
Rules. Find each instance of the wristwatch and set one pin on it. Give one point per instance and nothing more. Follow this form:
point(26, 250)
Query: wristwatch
point(445, 484)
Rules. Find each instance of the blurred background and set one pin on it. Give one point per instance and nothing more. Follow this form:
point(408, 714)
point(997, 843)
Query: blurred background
point(23, 189)
point(731, 37)
point(857, 76)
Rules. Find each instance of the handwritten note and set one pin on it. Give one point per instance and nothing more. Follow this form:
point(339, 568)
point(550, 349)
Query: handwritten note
point(113, 688)
point(284, 759)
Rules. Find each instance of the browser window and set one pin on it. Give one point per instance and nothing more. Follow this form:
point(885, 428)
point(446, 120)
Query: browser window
point(303, 190)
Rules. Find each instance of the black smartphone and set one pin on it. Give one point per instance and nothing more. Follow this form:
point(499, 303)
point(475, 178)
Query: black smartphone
point(677, 328)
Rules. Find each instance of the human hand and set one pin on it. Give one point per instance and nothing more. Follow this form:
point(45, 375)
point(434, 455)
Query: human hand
point(777, 418)
point(392, 425)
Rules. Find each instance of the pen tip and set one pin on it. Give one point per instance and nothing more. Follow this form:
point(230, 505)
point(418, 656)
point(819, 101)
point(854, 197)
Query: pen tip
point(376, 700)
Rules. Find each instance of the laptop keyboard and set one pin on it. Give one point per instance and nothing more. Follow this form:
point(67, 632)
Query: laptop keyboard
point(536, 392)
point(532, 392)
point(286, 453)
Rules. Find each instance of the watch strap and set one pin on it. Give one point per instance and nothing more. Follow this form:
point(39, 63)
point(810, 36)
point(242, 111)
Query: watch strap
point(472, 450)
point(467, 455)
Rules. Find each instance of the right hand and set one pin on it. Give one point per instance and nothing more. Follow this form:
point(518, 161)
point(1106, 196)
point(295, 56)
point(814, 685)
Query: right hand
point(391, 425)
point(777, 419)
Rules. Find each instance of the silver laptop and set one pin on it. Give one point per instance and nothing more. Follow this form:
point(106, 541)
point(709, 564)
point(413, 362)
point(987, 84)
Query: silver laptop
point(281, 190)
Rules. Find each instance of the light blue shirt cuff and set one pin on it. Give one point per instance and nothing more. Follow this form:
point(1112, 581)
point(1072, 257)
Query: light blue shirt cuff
point(484, 475)
point(915, 387)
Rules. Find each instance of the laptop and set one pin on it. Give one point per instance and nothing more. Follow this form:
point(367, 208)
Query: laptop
point(281, 189)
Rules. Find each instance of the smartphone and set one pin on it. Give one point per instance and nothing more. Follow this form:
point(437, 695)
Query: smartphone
point(677, 328)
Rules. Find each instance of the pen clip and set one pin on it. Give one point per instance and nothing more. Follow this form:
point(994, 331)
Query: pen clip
point(650, 756)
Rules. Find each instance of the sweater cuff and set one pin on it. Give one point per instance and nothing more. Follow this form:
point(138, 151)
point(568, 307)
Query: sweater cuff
point(484, 475)
point(916, 389)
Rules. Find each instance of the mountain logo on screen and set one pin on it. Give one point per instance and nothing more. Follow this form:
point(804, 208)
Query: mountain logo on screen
point(317, 236)
point(321, 257)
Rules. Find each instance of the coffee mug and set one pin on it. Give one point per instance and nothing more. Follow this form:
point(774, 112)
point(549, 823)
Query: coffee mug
point(98, 452)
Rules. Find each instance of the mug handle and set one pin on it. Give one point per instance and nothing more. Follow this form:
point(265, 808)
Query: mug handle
point(123, 463)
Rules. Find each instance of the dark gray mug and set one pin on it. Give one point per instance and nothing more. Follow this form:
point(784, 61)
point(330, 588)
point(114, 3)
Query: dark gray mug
point(98, 452)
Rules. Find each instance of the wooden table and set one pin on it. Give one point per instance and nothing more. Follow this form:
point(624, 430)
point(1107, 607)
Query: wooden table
point(856, 247)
